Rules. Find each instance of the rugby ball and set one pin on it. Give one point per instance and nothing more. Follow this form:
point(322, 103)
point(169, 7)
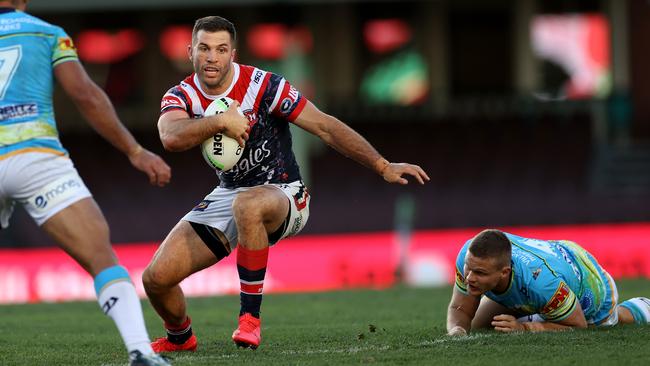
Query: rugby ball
point(220, 151)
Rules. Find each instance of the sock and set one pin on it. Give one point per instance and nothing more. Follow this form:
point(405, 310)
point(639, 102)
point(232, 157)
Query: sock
point(181, 333)
point(640, 309)
point(117, 298)
point(251, 265)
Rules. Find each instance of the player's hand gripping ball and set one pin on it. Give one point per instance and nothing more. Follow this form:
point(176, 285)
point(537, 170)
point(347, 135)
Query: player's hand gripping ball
point(220, 151)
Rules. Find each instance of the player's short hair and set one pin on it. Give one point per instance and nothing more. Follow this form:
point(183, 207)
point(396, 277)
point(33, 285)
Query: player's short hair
point(214, 23)
point(492, 243)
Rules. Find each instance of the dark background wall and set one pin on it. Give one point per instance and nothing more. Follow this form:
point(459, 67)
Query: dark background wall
point(496, 155)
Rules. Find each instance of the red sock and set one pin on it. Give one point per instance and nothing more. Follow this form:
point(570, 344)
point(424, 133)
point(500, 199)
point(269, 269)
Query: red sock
point(179, 334)
point(251, 265)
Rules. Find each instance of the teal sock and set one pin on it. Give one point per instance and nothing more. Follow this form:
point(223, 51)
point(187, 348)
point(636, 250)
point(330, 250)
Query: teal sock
point(640, 309)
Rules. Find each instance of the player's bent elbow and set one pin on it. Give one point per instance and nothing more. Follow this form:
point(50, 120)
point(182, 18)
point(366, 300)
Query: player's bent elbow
point(172, 143)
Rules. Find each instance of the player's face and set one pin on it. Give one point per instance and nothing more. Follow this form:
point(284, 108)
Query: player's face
point(20, 4)
point(212, 55)
point(484, 274)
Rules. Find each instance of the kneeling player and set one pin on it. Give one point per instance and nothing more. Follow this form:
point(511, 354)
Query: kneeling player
point(557, 281)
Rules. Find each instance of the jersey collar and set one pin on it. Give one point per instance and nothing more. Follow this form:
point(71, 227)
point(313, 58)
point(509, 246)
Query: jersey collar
point(213, 97)
point(6, 10)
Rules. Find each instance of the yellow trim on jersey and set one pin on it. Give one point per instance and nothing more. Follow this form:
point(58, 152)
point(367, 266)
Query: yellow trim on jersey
point(536, 255)
point(19, 132)
point(27, 34)
point(460, 282)
point(613, 290)
point(33, 149)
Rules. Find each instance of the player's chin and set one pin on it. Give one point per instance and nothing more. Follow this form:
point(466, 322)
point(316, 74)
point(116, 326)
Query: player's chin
point(474, 291)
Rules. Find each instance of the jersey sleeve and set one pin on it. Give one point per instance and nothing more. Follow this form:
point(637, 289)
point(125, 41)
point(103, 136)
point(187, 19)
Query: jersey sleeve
point(63, 49)
point(459, 283)
point(174, 99)
point(555, 299)
point(288, 101)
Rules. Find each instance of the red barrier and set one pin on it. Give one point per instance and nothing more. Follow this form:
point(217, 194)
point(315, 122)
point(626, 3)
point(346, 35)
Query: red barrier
point(318, 263)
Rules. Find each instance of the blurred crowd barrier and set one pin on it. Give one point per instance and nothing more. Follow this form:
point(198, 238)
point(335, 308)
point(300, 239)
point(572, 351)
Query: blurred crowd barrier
point(319, 262)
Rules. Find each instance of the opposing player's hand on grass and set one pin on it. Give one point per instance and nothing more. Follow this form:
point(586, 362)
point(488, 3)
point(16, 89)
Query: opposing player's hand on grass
point(394, 173)
point(235, 124)
point(152, 165)
point(507, 323)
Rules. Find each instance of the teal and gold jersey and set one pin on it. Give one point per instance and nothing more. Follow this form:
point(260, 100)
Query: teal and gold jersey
point(29, 50)
point(550, 278)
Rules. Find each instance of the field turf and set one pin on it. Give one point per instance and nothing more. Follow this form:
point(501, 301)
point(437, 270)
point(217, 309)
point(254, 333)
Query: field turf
point(396, 326)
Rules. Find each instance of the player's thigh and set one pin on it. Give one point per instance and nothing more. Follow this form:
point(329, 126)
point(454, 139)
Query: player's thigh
point(181, 254)
point(266, 203)
point(81, 231)
point(487, 309)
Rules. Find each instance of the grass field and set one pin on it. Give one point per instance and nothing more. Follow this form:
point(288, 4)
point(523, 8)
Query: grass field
point(397, 326)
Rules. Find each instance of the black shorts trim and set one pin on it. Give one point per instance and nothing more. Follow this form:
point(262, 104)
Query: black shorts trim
point(275, 236)
point(213, 239)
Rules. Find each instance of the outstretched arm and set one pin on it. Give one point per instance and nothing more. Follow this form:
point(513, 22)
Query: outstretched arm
point(98, 110)
point(460, 313)
point(348, 142)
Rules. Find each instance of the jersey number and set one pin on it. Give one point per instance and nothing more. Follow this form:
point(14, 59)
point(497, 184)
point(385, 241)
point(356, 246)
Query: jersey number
point(9, 60)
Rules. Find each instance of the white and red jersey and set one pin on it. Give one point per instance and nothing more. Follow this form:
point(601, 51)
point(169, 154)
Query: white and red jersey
point(270, 103)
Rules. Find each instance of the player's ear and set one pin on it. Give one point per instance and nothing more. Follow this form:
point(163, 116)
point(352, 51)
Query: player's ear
point(189, 51)
point(233, 54)
point(505, 271)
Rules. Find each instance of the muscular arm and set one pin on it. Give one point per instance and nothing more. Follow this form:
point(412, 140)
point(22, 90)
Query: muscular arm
point(460, 312)
point(348, 142)
point(95, 106)
point(179, 132)
point(98, 110)
point(508, 323)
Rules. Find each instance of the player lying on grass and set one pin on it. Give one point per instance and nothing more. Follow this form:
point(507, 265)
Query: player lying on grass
point(556, 283)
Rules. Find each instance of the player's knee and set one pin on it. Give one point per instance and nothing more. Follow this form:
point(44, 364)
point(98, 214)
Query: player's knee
point(246, 208)
point(155, 280)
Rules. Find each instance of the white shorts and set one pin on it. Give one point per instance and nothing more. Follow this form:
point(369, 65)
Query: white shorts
point(216, 210)
point(43, 183)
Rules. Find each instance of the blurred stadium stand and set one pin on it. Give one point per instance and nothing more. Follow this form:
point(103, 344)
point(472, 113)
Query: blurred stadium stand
point(497, 155)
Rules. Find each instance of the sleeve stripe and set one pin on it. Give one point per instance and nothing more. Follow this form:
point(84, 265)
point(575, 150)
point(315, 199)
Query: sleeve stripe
point(277, 95)
point(296, 111)
point(63, 59)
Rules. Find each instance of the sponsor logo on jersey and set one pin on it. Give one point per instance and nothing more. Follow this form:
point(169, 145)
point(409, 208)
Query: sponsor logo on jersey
point(289, 100)
point(301, 198)
point(293, 93)
point(560, 295)
point(252, 117)
point(285, 105)
point(166, 102)
point(258, 77)
point(536, 273)
point(66, 44)
point(202, 206)
point(295, 228)
point(18, 111)
point(254, 158)
point(587, 301)
point(41, 201)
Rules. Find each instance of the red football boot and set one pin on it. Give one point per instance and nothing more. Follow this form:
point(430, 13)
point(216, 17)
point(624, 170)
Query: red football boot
point(164, 345)
point(248, 333)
